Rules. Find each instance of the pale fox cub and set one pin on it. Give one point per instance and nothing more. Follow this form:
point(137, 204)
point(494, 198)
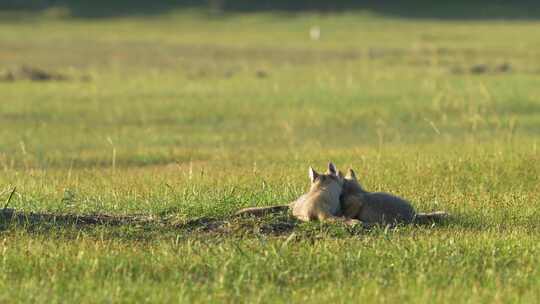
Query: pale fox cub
point(380, 207)
point(321, 202)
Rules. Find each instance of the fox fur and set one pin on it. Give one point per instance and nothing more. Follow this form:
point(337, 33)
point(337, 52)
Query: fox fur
point(321, 202)
point(380, 207)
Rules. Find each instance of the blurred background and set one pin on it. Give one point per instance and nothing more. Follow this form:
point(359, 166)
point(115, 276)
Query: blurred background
point(478, 9)
point(158, 82)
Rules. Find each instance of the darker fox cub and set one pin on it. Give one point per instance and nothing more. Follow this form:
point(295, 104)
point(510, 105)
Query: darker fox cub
point(380, 207)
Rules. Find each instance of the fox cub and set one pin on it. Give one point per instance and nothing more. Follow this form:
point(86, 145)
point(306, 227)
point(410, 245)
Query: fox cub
point(380, 207)
point(321, 202)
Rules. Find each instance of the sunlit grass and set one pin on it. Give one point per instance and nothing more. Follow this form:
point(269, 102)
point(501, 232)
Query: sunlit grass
point(187, 117)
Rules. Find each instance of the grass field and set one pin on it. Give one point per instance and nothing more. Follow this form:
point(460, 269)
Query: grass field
point(183, 116)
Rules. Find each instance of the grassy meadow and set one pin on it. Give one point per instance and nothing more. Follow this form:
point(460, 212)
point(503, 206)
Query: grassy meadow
point(186, 116)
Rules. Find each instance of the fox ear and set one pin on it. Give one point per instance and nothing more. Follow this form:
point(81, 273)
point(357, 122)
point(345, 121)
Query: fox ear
point(313, 174)
point(331, 169)
point(351, 174)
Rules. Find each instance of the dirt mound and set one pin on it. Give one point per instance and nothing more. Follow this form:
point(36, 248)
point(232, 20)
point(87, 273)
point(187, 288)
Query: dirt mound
point(478, 69)
point(31, 73)
point(272, 225)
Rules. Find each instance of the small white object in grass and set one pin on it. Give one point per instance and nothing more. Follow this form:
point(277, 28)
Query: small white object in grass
point(315, 32)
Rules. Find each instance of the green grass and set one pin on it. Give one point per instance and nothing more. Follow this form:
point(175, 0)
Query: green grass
point(189, 116)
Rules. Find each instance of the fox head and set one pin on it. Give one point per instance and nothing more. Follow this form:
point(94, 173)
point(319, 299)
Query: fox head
point(351, 183)
point(351, 175)
point(331, 179)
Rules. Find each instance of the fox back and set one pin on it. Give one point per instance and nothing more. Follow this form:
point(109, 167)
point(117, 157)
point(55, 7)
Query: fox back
point(380, 207)
point(373, 207)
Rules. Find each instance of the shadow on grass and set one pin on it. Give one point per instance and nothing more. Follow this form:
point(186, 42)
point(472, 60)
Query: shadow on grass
point(275, 224)
point(151, 227)
point(11, 216)
point(417, 9)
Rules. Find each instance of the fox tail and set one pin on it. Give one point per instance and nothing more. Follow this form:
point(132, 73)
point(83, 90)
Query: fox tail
point(431, 217)
point(261, 211)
